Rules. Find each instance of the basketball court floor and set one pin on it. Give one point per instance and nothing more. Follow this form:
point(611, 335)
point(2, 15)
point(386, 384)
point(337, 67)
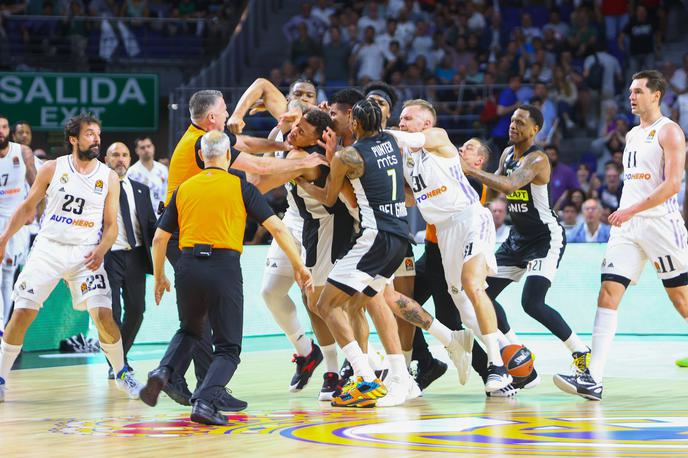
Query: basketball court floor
point(72, 410)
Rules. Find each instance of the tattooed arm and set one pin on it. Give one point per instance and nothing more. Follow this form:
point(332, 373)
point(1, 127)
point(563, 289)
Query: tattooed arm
point(533, 165)
point(346, 163)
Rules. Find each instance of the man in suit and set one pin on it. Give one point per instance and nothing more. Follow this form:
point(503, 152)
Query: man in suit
point(129, 260)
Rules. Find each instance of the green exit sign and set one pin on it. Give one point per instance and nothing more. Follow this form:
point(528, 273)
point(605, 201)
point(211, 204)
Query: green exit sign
point(123, 102)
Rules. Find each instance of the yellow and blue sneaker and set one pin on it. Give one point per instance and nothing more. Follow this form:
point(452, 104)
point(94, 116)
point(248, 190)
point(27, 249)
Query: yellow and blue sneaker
point(360, 394)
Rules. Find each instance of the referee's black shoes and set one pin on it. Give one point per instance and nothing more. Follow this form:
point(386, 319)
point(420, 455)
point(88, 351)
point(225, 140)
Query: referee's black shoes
point(177, 389)
point(157, 379)
point(228, 403)
point(206, 413)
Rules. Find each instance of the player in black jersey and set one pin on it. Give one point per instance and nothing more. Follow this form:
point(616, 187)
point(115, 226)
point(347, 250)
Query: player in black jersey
point(537, 240)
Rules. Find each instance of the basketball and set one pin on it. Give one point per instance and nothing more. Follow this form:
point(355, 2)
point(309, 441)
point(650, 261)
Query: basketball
point(518, 361)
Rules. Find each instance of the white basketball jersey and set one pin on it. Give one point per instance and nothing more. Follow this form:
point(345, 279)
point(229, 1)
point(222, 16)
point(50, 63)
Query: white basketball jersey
point(12, 179)
point(643, 162)
point(75, 204)
point(292, 219)
point(438, 184)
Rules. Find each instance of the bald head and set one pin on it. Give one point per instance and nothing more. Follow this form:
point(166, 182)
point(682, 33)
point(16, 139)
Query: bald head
point(118, 158)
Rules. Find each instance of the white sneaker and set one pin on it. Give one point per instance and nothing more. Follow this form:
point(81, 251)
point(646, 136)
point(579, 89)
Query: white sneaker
point(460, 352)
point(127, 383)
point(497, 378)
point(506, 392)
point(397, 389)
point(3, 387)
point(413, 389)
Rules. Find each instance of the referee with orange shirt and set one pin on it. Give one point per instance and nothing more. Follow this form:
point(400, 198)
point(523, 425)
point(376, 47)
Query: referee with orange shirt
point(208, 276)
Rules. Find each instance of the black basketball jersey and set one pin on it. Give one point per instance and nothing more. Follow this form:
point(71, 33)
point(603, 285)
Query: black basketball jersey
point(380, 190)
point(531, 214)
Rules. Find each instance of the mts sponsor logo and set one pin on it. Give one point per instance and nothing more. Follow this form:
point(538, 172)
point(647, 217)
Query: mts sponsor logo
point(71, 221)
point(431, 194)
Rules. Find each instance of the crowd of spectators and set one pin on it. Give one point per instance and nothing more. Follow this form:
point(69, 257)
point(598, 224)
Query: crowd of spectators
point(78, 29)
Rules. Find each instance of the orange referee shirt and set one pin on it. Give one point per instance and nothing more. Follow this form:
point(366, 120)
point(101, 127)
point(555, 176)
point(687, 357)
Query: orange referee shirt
point(186, 160)
point(202, 212)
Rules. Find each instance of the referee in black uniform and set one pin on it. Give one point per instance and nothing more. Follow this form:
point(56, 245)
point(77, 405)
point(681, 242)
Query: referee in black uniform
point(211, 222)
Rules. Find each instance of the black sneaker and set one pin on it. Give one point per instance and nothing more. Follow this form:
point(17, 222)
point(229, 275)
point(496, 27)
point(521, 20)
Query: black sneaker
point(497, 378)
point(228, 403)
point(331, 385)
point(429, 372)
point(305, 365)
point(581, 384)
point(178, 391)
point(527, 383)
point(346, 371)
point(207, 414)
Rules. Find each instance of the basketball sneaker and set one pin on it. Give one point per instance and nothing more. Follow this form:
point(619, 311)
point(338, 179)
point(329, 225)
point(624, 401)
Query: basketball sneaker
point(305, 365)
point(459, 349)
point(581, 360)
point(127, 383)
point(682, 362)
point(506, 392)
point(362, 394)
point(581, 384)
point(331, 384)
point(413, 389)
point(397, 390)
point(497, 378)
point(3, 387)
point(429, 372)
point(346, 371)
point(529, 382)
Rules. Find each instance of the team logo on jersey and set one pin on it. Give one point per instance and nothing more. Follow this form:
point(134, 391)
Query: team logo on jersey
point(408, 264)
point(64, 178)
point(454, 289)
point(650, 136)
point(409, 161)
point(99, 187)
point(22, 286)
point(84, 288)
point(15, 161)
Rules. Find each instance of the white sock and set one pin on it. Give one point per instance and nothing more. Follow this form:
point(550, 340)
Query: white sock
point(502, 339)
point(512, 337)
point(359, 361)
point(574, 344)
point(302, 344)
point(407, 357)
point(330, 356)
point(114, 354)
point(603, 332)
point(8, 355)
point(397, 366)
point(492, 349)
point(440, 332)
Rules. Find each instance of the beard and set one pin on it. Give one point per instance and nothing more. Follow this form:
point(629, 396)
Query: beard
point(91, 153)
point(4, 142)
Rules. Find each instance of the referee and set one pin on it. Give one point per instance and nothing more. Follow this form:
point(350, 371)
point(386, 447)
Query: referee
point(208, 274)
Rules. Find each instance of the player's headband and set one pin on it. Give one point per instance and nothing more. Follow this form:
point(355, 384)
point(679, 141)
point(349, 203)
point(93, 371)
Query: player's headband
point(382, 94)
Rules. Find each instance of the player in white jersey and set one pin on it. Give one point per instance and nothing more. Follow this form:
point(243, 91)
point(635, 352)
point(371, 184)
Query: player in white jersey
point(465, 230)
point(16, 168)
point(79, 227)
point(149, 171)
point(647, 226)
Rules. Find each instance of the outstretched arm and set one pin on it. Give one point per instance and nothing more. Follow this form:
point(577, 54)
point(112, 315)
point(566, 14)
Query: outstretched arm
point(271, 165)
point(261, 89)
point(346, 163)
point(265, 183)
point(533, 164)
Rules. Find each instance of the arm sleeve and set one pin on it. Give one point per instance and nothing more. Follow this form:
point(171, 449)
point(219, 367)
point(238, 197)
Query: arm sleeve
point(256, 205)
point(407, 139)
point(169, 221)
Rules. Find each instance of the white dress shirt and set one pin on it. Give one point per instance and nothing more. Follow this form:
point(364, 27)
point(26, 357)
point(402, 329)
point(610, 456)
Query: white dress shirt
point(121, 242)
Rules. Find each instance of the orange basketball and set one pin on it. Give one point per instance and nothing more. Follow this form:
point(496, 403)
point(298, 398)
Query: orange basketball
point(518, 361)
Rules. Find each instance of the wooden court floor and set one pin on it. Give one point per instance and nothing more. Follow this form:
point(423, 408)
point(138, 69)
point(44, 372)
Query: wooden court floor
point(74, 411)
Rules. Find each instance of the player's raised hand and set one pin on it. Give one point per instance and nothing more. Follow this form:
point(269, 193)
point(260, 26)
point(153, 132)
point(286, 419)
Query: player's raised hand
point(329, 143)
point(257, 107)
point(324, 106)
point(235, 124)
point(314, 160)
point(290, 118)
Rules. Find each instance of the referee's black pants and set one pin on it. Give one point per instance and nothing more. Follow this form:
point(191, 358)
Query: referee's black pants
point(208, 290)
point(203, 354)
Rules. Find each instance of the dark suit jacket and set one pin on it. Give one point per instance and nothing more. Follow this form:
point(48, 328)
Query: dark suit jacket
point(146, 217)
